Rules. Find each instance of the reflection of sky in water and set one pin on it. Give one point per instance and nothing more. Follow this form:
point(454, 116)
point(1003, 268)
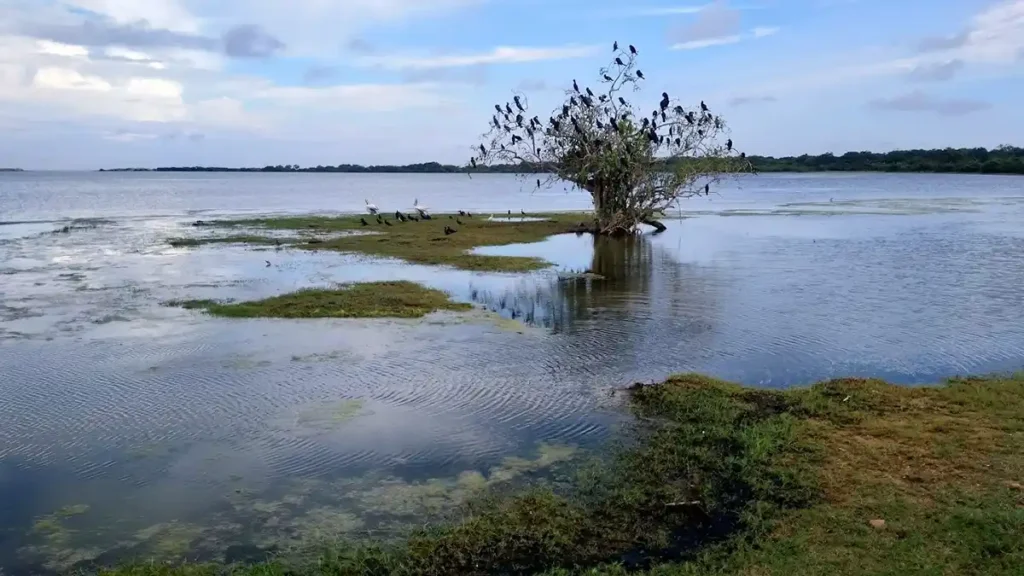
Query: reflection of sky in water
point(113, 400)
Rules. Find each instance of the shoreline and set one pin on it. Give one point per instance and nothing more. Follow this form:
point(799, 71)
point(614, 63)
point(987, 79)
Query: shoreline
point(847, 476)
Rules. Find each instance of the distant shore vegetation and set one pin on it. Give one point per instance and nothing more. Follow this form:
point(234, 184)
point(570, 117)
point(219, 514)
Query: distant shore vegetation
point(1001, 160)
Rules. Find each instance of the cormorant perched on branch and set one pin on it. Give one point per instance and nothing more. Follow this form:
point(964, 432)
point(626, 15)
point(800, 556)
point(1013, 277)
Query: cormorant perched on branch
point(640, 75)
point(632, 50)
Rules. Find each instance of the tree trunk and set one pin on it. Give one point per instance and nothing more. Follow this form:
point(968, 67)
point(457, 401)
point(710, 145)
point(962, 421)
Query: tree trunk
point(658, 226)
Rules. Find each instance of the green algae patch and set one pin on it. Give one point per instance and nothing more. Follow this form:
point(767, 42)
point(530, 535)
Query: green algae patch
point(400, 299)
point(422, 242)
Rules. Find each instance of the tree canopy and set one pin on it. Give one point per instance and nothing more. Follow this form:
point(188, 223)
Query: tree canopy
point(634, 161)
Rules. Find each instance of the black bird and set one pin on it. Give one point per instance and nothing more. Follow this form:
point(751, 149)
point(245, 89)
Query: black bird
point(468, 215)
point(510, 213)
point(614, 124)
point(450, 217)
point(459, 222)
point(576, 125)
point(620, 62)
point(472, 162)
point(707, 189)
point(523, 212)
point(494, 120)
point(268, 262)
point(483, 150)
point(728, 144)
point(565, 109)
point(664, 118)
point(572, 100)
point(600, 126)
point(364, 222)
point(538, 182)
point(700, 132)
point(498, 108)
point(690, 118)
point(640, 75)
point(664, 101)
point(743, 154)
point(703, 106)
point(508, 108)
point(519, 120)
point(379, 219)
point(622, 100)
point(645, 123)
point(516, 139)
point(398, 215)
point(518, 105)
point(653, 135)
point(448, 230)
point(575, 86)
point(615, 46)
point(387, 222)
point(556, 124)
point(602, 98)
point(632, 50)
point(462, 212)
point(608, 78)
point(678, 109)
point(587, 100)
point(679, 142)
point(414, 219)
point(508, 128)
point(590, 92)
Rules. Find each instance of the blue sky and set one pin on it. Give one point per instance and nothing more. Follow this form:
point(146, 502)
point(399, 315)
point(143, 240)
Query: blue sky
point(103, 83)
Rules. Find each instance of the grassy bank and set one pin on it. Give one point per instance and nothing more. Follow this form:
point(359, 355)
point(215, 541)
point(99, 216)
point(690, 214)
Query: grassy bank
point(399, 299)
point(423, 242)
point(844, 477)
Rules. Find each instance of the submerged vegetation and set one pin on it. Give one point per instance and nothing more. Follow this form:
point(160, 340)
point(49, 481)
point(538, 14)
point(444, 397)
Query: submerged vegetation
point(416, 241)
point(400, 299)
point(848, 476)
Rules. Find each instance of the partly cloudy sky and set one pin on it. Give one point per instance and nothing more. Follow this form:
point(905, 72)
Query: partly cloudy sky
point(110, 83)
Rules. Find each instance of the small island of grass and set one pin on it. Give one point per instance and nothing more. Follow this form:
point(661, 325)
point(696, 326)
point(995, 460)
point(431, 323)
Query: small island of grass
point(418, 242)
point(362, 300)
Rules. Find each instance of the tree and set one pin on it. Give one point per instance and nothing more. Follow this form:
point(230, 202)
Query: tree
point(634, 164)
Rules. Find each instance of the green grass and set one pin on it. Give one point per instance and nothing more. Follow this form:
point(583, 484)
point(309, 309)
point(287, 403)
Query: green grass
point(714, 479)
point(421, 242)
point(240, 239)
point(400, 299)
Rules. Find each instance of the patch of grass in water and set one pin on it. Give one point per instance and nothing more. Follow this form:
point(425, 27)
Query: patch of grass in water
point(244, 239)
point(848, 476)
point(423, 242)
point(400, 299)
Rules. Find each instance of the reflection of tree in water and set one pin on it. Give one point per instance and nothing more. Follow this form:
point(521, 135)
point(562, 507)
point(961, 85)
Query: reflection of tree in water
point(641, 290)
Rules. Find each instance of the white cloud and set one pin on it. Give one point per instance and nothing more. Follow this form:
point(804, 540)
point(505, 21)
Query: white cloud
point(66, 79)
point(59, 49)
point(499, 55)
point(755, 34)
point(697, 44)
point(670, 10)
point(359, 97)
point(765, 31)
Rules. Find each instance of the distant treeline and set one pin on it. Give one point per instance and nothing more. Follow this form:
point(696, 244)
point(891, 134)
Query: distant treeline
point(11, 170)
point(1001, 160)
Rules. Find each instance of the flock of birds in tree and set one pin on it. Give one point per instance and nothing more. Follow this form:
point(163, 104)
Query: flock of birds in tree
point(612, 116)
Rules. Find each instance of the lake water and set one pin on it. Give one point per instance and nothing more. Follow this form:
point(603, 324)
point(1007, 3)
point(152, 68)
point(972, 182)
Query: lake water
point(133, 429)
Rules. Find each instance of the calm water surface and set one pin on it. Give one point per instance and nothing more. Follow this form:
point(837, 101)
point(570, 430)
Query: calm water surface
point(132, 429)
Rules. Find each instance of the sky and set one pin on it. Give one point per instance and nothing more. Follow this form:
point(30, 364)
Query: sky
point(86, 84)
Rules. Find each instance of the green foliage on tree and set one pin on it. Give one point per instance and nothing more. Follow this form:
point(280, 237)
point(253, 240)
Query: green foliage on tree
point(634, 161)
